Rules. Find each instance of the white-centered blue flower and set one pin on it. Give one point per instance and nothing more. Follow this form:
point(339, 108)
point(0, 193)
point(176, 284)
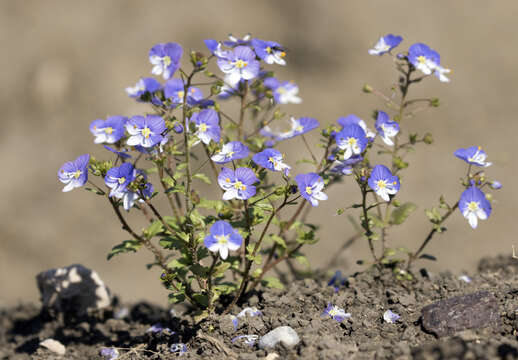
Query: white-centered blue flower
point(385, 44)
point(353, 119)
point(145, 131)
point(223, 238)
point(352, 140)
point(386, 128)
point(285, 92)
point(108, 131)
point(233, 150)
point(473, 155)
point(269, 51)
point(207, 125)
point(240, 63)
point(383, 182)
point(165, 59)
point(271, 159)
point(336, 313)
point(74, 174)
point(237, 184)
point(474, 206)
point(423, 58)
point(391, 317)
point(310, 186)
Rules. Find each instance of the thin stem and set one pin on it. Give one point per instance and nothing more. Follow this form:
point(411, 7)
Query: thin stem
point(366, 224)
point(168, 194)
point(210, 295)
point(242, 112)
point(309, 148)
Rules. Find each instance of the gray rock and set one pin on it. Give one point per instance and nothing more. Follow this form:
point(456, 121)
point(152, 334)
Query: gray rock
point(471, 311)
point(73, 289)
point(54, 346)
point(284, 334)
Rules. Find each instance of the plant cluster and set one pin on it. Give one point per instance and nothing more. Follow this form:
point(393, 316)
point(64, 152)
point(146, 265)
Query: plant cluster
point(214, 249)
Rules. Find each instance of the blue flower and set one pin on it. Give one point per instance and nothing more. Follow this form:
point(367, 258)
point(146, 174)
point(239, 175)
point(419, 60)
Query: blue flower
point(165, 58)
point(473, 155)
point(336, 313)
point(145, 131)
point(129, 197)
point(352, 140)
point(159, 328)
point(272, 160)
point(109, 353)
point(235, 41)
point(337, 280)
point(385, 44)
point(283, 93)
point(178, 348)
point(222, 238)
point(495, 185)
point(109, 131)
point(391, 317)
point(386, 128)
point(345, 167)
point(207, 125)
point(423, 58)
point(143, 86)
point(237, 184)
point(174, 90)
point(297, 127)
point(473, 205)
point(178, 128)
point(122, 154)
point(353, 119)
point(231, 151)
point(269, 51)
point(118, 178)
point(250, 311)
point(383, 182)
point(74, 173)
point(240, 64)
point(216, 48)
point(310, 186)
point(248, 339)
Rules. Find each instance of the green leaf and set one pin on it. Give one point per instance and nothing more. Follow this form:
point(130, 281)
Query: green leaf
point(400, 214)
point(219, 270)
point(278, 240)
point(272, 282)
point(199, 270)
point(217, 205)
point(203, 300)
point(399, 163)
point(153, 229)
point(172, 243)
point(376, 221)
point(124, 247)
point(177, 297)
point(301, 259)
point(95, 191)
point(433, 215)
point(197, 218)
point(202, 177)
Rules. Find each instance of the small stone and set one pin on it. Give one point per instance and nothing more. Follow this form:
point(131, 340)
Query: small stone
point(54, 346)
point(73, 290)
point(472, 311)
point(271, 356)
point(284, 334)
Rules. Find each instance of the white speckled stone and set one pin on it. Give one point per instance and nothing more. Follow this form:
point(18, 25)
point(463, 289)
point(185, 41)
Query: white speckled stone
point(54, 346)
point(284, 334)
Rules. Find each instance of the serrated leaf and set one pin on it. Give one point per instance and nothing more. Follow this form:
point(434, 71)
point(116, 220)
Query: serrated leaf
point(400, 214)
point(278, 240)
point(124, 247)
point(202, 177)
point(272, 282)
point(153, 229)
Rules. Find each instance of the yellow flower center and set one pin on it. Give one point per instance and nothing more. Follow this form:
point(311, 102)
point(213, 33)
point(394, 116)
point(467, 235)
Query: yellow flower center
point(227, 180)
point(203, 127)
point(121, 180)
point(77, 174)
point(309, 190)
point(473, 206)
point(108, 130)
point(333, 312)
point(351, 141)
point(281, 90)
point(240, 64)
point(421, 59)
point(146, 132)
point(230, 154)
point(299, 128)
point(381, 184)
point(167, 60)
point(282, 54)
point(222, 239)
point(269, 50)
point(180, 94)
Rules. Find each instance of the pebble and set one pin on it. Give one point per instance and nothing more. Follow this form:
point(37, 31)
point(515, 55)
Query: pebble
point(54, 346)
point(284, 334)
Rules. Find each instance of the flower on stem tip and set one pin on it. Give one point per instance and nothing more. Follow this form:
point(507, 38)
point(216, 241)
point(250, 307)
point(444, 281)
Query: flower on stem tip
point(207, 125)
point(297, 127)
point(310, 187)
point(109, 131)
point(352, 139)
point(118, 178)
point(174, 90)
point(240, 63)
point(423, 58)
point(222, 238)
point(74, 173)
point(283, 93)
point(473, 205)
point(145, 131)
point(143, 86)
point(271, 159)
point(230, 151)
point(385, 44)
point(473, 155)
point(345, 167)
point(383, 182)
point(336, 313)
point(353, 119)
point(386, 128)
point(237, 184)
point(165, 58)
point(269, 51)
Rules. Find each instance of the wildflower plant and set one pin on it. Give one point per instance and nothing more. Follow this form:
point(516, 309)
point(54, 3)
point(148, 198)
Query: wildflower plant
point(213, 250)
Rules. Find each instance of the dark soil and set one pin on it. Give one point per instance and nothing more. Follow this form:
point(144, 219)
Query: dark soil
point(363, 336)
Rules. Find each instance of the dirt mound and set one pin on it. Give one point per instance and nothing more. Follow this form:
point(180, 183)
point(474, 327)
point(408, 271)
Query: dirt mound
point(363, 335)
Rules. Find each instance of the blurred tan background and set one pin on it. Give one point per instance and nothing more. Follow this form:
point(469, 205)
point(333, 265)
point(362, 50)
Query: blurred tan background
point(66, 63)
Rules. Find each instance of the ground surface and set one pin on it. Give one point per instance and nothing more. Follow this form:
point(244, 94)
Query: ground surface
point(364, 336)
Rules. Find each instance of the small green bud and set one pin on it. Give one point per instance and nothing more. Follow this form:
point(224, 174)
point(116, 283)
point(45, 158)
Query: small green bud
point(215, 90)
point(428, 139)
point(367, 88)
point(412, 138)
point(434, 102)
